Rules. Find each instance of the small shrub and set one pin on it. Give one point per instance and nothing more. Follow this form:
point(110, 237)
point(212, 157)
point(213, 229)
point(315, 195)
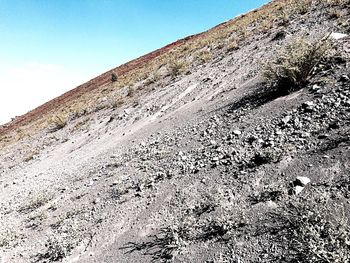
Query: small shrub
point(204, 56)
point(31, 155)
point(270, 193)
point(334, 14)
point(35, 219)
point(310, 232)
point(153, 78)
point(242, 33)
point(7, 237)
point(233, 45)
point(339, 2)
point(295, 65)
point(57, 249)
point(4, 239)
point(117, 103)
point(130, 92)
point(36, 200)
point(283, 19)
point(114, 77)
point(66, 236)
point(176, 67)
point(301, 6)
point(58, 122)
point(266, 26)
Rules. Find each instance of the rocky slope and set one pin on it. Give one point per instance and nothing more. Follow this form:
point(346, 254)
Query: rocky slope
point(202, 161)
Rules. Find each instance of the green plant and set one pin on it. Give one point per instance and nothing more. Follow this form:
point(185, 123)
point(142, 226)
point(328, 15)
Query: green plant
point(295, 65)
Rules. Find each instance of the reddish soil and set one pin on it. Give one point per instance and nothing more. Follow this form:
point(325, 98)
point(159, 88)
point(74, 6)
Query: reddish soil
point(91, 85)
point(103, 79)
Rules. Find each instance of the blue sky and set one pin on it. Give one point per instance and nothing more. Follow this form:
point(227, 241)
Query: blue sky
point(48, 47)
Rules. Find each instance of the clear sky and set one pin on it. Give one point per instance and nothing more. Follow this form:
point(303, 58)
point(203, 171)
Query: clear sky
point(48, 47)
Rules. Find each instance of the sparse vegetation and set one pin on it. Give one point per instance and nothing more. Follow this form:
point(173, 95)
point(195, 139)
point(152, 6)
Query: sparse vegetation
point(58, 122)
point(7, 236)
point(310, 232)
point(57, 249)
point(301, 7)
point(334, 13)
point(31, 155)
point(36, 200)
point(66, 235)
point(4, 239)
point(204, 56)
point(35, 219)
point(153, 78)
point(296, 64)
point(117, 103)
point(176, 67)
point(130, 92)
point(240, 28)
point(197, 178)
point(233, 45)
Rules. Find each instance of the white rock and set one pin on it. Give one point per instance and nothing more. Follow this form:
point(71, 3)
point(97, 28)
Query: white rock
point(286, 119)
point(337, 36)
point(279, 132)
point(303, 180)
point(237, 132)
point(271, 204)
point(298, 189)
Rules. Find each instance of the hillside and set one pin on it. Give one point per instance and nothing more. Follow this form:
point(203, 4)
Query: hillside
point(228, 146)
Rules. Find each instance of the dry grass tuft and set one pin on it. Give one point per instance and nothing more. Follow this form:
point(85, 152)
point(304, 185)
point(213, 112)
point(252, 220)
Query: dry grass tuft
point(296, 64)
point(309, 232)
point(36, 200)
point(58, 122)
point(204, 56)
point(177, 67)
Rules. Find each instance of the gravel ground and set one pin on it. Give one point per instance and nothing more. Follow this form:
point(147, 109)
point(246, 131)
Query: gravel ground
point(206, 167)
